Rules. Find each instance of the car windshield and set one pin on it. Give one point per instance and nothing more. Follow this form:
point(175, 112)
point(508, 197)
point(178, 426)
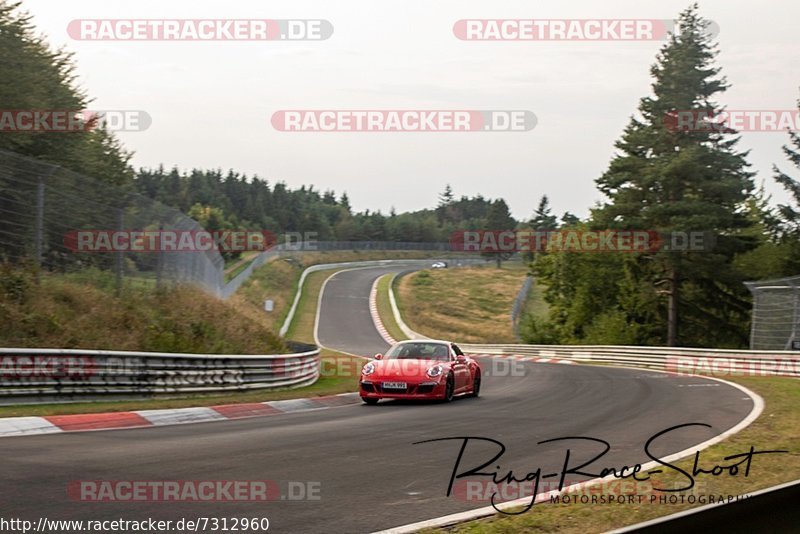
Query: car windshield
point(420, 351)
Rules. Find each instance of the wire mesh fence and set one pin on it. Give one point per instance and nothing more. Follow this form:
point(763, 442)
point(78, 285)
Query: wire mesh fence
point(46, 211)
point(519, 304)
point(776, 314)
point(43, 207)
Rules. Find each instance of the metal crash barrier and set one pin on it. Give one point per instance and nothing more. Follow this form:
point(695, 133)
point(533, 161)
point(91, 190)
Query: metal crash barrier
point(719, 362)
point(29, 376)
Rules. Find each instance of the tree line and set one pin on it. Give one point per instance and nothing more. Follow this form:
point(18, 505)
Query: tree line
point(254, 203)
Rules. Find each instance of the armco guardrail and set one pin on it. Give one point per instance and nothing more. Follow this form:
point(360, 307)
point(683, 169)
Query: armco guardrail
point(678, 359)
point(29, 376)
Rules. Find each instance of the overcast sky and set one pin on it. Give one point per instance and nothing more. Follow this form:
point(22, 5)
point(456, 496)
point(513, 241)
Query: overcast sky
point(211, 102)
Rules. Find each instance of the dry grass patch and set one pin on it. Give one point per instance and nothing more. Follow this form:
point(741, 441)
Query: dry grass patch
point(471, 305)
point(65, 312)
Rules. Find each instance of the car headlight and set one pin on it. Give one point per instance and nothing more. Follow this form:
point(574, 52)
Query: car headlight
point(368, 369)
point(435, 371)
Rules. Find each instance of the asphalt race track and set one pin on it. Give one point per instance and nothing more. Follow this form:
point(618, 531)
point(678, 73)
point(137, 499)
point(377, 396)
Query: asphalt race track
point(370, 474)
point(345, 323)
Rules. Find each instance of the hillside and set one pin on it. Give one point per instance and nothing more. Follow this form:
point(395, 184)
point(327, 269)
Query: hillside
point(82, 311)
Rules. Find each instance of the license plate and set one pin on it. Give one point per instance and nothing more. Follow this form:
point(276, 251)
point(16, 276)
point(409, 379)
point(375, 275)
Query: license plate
point(395, 385)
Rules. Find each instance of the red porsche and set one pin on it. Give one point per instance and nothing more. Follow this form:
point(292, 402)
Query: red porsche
point(420, 369)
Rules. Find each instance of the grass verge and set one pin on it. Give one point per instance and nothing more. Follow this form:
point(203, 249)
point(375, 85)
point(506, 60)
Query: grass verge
point(471, 305)
point(778, 428)
point(277, 280)
point(305, 317)
point(238, 266)
point(385, 307)
point(69, 311)
point(536, 306)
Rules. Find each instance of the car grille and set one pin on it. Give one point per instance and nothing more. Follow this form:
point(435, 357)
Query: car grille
point(409, 389)
point(420, 389)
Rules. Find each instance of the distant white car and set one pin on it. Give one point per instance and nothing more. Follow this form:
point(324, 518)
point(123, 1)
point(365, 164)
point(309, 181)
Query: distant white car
point(439, 265)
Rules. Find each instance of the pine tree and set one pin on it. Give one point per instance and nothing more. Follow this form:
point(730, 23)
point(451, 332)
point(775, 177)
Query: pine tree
point(444, 210)
point(790, 215)
point(542, 220)
point(499, 219)
point(568, 219)
point(345, 202)
point(447, 196)
point(666, 179)
point(786, 223)
point(34, 77)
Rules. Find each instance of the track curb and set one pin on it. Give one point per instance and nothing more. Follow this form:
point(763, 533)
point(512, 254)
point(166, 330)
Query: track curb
point(52, 424)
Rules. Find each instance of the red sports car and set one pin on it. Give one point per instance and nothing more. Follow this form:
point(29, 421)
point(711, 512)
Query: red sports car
point(420, 369)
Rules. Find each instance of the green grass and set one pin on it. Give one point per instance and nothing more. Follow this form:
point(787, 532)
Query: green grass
point(236, 268)
point(385, 307)
point(536, 306)
point(277, 281)
point(84, 311)
point(471, 305)
point(302, 327)
point(778, 428)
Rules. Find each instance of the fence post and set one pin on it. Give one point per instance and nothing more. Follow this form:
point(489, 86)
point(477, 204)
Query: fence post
point(159, 256)
point(119, 255)
point(39, 243)
point(754, 291)
point(795, 303)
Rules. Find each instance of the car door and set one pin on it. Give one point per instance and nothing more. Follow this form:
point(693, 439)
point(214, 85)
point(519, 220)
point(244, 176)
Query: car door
point(460, 370)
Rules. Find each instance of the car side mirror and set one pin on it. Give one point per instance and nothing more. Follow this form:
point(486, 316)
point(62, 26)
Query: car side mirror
point(378, 356)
